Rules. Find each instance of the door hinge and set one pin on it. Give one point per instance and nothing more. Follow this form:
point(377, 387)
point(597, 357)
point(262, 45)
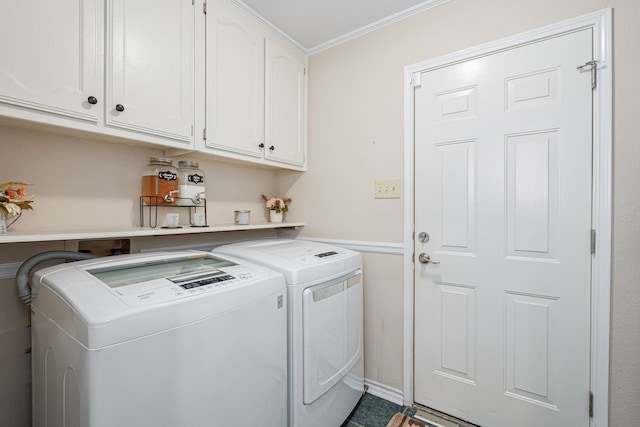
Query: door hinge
point(590, 404)
point(416, 80)
point(593, 241)
point(192, 130)
point(204, 7)
point(593, 66)
point(204, 134)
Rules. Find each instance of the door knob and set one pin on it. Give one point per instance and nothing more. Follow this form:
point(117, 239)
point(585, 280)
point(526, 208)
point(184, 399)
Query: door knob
point(92, 100)
point(119, 107)
point(425, 258)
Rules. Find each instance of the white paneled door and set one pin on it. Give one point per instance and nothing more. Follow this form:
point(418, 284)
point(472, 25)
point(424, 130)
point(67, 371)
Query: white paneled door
point(503, 195)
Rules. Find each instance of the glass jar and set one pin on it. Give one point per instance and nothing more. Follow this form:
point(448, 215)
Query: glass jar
point(190, 184)
point(160, 182)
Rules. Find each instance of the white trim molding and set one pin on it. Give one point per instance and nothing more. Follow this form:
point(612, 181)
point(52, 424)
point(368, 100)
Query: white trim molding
point(362, 246)
point(356, 245)
point(601, 23)
point(376, 25)
point(385, 392)
point(421, 7)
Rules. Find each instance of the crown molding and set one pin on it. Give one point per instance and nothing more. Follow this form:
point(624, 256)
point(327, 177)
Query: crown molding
point(345, 37)
point(429, 4)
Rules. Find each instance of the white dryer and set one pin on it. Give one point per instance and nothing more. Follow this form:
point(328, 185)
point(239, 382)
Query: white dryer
point(325, 289)
point(180, 339)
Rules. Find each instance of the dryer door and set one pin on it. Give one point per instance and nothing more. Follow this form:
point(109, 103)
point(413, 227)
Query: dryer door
point(332, 333)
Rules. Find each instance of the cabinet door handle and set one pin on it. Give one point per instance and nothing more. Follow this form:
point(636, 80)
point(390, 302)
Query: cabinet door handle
point(261, 145)
point(272, 148)
point(92, 100)
point(119, 107)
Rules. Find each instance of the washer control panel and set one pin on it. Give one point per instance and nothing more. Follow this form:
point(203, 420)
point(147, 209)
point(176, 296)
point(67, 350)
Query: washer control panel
point(205, 282)
point(154, 282)
point(164, 290)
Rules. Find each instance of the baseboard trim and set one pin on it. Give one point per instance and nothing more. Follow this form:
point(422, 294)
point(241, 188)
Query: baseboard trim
point(385, 392)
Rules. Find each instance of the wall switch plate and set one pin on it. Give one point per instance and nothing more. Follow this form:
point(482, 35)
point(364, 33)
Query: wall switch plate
point(387, 189)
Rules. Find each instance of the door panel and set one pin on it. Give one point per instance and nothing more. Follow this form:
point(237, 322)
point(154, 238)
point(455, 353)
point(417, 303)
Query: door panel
point(532, 194)
point(503, 187)
point(532, 364)
point(457, 332)
point(454, 184)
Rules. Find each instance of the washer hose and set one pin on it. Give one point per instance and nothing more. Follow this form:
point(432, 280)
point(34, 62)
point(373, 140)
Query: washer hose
point(24, 271)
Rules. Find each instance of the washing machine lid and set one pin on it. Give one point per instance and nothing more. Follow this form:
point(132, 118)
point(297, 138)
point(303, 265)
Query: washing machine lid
point(300, 261)
point(105, 301)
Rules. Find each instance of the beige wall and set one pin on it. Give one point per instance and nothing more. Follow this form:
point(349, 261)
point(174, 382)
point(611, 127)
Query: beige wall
point(356, 136)
point(84, 183)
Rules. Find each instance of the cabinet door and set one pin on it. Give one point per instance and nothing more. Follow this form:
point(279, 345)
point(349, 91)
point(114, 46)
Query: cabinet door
point(50, 54)
point(285, 104)
point(235, 81)
point(150, 67)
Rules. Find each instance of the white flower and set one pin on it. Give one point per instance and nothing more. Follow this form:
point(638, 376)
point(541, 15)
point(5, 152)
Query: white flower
point(274, 203)
point(13, 209)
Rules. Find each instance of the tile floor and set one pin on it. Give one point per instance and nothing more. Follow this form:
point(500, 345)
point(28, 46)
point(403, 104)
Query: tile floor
point(373, 411)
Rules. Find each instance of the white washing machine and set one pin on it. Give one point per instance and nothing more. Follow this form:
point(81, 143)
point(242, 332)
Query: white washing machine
point(173, 339)
point(325, 289)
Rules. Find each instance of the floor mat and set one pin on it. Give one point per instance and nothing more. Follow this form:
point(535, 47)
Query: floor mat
point(401, 420)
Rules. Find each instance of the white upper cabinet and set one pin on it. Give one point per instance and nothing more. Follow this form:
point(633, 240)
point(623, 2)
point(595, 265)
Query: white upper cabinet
point(285, 104)
point(164, 72)
point(50, 58)
point(150, 67)
point(235, 81)
point(256, 85)
point(53, 53)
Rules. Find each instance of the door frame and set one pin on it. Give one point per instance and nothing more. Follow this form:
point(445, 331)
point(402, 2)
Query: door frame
point(601, 22)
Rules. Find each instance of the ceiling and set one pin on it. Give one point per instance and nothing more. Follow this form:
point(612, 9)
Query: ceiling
point(316, 25)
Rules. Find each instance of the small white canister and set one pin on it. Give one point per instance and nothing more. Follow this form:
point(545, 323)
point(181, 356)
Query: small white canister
point(199, 219)
point(241, 217)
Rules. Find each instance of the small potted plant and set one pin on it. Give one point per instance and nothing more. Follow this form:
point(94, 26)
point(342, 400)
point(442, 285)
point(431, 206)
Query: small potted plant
point(277, 207)
point(13, 200)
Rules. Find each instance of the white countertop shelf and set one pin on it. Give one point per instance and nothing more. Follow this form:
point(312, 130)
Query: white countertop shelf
point(14, 236)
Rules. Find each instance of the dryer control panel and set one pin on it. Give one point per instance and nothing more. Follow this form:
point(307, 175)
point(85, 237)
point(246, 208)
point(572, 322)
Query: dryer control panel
point(312, 257)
